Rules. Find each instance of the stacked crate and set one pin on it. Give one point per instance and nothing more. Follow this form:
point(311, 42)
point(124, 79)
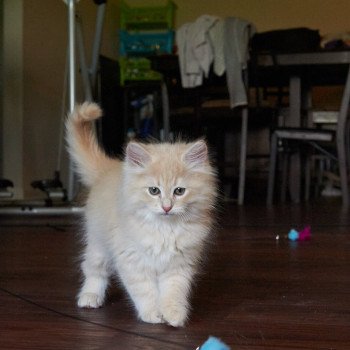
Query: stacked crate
point(144, 31)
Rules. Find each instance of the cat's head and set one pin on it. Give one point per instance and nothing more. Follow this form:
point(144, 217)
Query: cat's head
point(169, 180)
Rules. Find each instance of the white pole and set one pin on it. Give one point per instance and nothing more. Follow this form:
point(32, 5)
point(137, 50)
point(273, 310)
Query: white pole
point(83, 66)
point(72, 54)
point(101, 9)
point(72, 82)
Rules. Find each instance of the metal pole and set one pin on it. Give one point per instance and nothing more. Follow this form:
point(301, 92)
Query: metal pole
point(101, 9)
point(72, 54)
point(72, 83)
point(166, 113)
point(243, 150)
point(82, 60)
point(342, 142)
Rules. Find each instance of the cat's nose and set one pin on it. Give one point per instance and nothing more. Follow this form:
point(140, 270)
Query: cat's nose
point(166, 208)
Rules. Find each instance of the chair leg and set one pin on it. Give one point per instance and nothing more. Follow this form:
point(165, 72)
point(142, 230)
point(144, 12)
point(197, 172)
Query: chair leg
point(166, 112)
point(285, 171)
point(294, 177)
point(243, 156)
point(343, 174)
point(320, 174)
point(342, 142)
point(307, 177)
point(272, 169)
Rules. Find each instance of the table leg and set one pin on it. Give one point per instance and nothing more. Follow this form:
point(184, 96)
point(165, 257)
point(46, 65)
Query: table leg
point(293, 120)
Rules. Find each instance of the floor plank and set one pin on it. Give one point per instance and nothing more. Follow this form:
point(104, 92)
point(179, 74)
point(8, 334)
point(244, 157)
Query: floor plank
point(255, 292)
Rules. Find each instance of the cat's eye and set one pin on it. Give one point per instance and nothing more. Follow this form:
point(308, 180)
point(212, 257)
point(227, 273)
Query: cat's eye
point(154, 191)
point(179, 191)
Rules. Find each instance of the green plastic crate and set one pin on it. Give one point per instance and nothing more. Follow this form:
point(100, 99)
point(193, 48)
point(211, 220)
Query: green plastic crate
point(147, 17)
point(137, 69)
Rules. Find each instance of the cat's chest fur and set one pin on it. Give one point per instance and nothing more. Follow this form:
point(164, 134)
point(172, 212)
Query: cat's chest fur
point(156, 243)
point(155, 240)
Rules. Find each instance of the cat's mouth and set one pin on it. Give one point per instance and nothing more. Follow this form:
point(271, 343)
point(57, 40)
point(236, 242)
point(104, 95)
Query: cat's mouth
point(167, 214)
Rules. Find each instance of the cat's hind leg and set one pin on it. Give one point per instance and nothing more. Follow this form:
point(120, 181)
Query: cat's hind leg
point(96, 274)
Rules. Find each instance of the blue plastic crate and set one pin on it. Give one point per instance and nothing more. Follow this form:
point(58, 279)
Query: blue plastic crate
point(145, 43)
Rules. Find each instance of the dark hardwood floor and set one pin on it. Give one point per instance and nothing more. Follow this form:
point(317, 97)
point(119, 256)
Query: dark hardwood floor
point(256, 292)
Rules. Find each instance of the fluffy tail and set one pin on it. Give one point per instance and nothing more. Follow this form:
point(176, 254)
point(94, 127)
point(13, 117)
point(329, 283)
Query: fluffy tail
point(90, 160)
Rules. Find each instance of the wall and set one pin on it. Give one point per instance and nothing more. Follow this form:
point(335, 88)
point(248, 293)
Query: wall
point(12, 97)
point(44, 43)
point(41, 46)
point(44, 59)
point(326, 15)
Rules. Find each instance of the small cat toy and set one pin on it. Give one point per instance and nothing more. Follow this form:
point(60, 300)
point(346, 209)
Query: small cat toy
point(294, 235)
point(303, 235)
point(213, 343)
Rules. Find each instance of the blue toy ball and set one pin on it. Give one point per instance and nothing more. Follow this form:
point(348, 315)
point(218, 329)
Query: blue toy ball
point(293, 235)
point(214, 344)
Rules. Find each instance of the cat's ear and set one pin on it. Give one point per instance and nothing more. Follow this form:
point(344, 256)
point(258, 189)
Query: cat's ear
point(136, 154)
point(196, 154)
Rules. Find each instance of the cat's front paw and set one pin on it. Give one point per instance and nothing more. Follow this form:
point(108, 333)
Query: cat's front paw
point(152, 316)
point(175, 315)
point(90, 300)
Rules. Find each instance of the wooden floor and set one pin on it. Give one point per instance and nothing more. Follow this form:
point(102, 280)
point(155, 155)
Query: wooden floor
point(256, 293)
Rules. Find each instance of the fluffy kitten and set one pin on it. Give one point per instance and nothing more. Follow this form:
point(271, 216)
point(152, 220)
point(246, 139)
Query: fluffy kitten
point(147, 219)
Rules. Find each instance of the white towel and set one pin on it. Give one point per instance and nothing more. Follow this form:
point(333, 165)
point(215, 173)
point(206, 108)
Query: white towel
point(188, 79)
point(195, 50)
point(216, 34)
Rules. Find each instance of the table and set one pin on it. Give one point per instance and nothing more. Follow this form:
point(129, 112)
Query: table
point(322, 60)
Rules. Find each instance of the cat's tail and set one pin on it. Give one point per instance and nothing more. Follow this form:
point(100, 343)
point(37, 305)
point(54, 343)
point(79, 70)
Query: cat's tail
point(89, 159)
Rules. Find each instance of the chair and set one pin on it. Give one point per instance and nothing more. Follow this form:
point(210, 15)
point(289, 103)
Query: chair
point(205, 117)
point(4, 188)
point(185, 112)
point(317, 138)
point(205, 110)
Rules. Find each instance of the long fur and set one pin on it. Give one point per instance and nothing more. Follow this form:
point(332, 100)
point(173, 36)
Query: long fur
point(83, 147)
point(148, 218)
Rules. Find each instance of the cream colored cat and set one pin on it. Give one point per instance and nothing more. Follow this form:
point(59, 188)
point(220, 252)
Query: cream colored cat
point(147, 219)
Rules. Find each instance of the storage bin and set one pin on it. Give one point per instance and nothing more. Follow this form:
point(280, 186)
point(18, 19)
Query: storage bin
point(145, 43)
point(147, 17)
point(137, 69)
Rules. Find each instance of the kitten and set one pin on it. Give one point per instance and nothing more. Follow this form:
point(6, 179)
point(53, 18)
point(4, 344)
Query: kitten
point(147, 219)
